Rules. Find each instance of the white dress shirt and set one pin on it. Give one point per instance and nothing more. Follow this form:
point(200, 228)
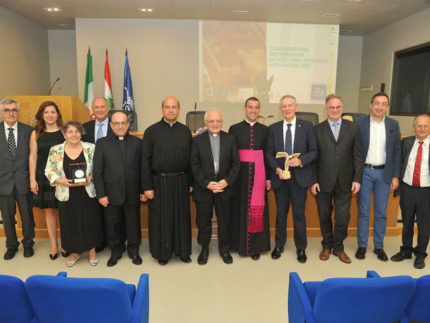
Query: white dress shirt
point(424, 174)
point(376, 153)
point(15, 132)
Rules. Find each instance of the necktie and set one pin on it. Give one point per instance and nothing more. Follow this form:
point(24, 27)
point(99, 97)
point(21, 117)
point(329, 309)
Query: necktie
point(288, 141)
point(11, 143)
point(336, 130)
point(100, 131)
point(417, 168)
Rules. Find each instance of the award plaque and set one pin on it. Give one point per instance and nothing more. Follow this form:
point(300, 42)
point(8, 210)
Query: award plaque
point(77, 173)
point(282, 154)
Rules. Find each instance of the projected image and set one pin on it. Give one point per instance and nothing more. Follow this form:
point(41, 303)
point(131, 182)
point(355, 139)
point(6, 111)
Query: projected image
point(267, 60)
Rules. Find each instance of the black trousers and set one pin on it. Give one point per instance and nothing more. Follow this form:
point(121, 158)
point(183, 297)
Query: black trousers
point(118, 218)
point(204, 223)
point(333, 237)
point(291, 191)
point(415, 201)
point(8, 211)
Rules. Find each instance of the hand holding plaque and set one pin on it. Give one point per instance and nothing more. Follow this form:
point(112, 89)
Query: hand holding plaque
point(286, 173)
point(77, 172)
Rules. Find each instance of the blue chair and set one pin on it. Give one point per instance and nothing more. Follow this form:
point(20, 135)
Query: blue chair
point(418, 308)
point(352, 300)
point(98, 300)
point(14, 303)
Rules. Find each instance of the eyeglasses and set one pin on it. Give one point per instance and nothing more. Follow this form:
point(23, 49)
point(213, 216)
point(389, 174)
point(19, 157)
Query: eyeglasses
point(213, 121)
point(117, 124)
point(10, 110)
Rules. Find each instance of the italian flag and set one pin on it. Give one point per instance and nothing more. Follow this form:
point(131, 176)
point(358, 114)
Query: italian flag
point(108, 84)
point(89, 83)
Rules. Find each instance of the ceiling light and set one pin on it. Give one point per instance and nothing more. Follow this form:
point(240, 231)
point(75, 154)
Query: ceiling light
point(240, 12)
point(146, 9)
point(53, 9)
point(331, 15)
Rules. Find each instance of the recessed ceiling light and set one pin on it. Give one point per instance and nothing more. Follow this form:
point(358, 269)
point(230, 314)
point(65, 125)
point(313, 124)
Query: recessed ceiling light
point(240, 12)
point(331, 15)
point(52, 9)
point(146, 9)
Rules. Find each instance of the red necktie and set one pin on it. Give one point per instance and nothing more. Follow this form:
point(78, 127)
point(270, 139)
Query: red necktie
point(417, 169)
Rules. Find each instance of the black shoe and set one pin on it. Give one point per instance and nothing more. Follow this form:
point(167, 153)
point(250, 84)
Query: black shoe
point(227, 258)
point(10, 253)
point(276, 253)
point(28, 252)
point(53, 256)
point(187, 259)
point(419, 263)
point(301, 256)
point(256, 256)
point(361, 253)
point(163, 262)
point(113, 260)
point(136, 259)
point(203, 256)
point(401, 256)
point(65, 254)
point(381, 254)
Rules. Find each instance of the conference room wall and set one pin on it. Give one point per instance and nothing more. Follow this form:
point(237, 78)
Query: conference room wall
point(24, 56)
point(164, 61)
point(378, 53)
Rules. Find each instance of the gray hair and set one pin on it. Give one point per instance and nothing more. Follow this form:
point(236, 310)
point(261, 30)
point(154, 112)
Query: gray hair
point(211, 110)
point(73, 123)
point(9, 101)
point(287, 96)
point(419, 116)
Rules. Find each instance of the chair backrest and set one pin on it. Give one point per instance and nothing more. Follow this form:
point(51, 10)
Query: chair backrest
point(15, 305)
point(354, 115)
point(418, 308)
point(64, 300)
point(195, 120)
point(308, 116)
point(357, 300)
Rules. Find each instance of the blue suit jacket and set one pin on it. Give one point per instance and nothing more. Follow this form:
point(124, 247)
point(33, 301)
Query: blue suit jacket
point(392, 145)
point(305, 143)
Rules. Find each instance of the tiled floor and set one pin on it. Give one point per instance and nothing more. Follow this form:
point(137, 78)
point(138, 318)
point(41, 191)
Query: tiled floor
point(246, 291)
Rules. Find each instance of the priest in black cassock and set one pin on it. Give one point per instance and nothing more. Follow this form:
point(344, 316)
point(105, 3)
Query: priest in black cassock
point(167, 181)
point(249, 222)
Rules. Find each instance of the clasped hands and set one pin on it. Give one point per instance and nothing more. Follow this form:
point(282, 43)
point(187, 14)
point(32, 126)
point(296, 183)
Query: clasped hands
point(217, 187)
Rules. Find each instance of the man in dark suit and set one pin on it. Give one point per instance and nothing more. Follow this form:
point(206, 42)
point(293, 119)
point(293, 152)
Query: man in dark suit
point(338, 171)
point(14, 179)
point(414, 192)
point(117, 180)
point(215, 163)
point(291, 135)
point(99, 127)
point(380, 136)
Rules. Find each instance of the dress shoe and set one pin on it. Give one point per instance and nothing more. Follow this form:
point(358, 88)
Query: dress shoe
point(10, 253)
point(28, 252)
point(227, 258)
point(276, 253)
point(72, 262)
point(65, 254)
point(325, 254)
point(187, 259)
point(342, 256)
point(203, 256)
point(400, 256)
point(136, 259)
point(381, 254)
point(113, 260)
point(301, 256)
point(419, 263)
point(163, 262)
point(53, 256)
point(93, 262)
point(361, 253)
point(256, 256)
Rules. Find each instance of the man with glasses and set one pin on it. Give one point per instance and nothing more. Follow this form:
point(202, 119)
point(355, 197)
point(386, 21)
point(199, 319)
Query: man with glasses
point(380, 136)
point(215, 163)
point(14, 178)
point(338, 172)
point(117, 178)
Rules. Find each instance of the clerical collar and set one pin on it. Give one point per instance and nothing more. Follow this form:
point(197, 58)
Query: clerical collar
point(251, 123)
point(213, 134)
point(170, 124)
point(121, 138)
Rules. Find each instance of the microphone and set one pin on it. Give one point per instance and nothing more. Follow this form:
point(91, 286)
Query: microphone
point(49, 93)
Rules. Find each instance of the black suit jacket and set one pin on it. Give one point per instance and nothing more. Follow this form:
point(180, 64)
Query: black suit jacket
point(202, 164)
point(305, 143)
point(342, 160)
point(116, 177)
point(14, 171)
point(89, 131)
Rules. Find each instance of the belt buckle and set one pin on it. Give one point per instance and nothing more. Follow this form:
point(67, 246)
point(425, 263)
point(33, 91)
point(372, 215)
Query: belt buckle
point(371, 167)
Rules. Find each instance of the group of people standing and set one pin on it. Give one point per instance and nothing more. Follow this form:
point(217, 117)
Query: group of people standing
point(229, 172)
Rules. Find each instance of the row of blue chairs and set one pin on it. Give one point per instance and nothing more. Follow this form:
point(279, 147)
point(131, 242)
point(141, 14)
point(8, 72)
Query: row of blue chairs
point(62, 299)
point(373, 299)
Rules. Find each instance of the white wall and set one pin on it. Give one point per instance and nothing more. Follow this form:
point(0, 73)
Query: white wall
point(378, 54)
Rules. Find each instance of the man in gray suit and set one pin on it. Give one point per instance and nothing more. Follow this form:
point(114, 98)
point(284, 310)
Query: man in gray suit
point(14, 178)
point(338, 171)
point(381, 146)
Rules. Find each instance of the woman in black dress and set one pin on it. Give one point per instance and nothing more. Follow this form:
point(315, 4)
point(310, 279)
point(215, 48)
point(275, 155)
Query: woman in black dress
point(46, 134)
point(80, 223)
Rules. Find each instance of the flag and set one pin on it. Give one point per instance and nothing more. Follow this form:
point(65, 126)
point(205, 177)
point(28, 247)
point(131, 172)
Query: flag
point(108, 84)
point(127, 98)
point(89, 83)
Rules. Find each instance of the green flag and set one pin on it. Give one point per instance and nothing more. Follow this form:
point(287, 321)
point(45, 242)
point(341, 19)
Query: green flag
point(89, 83)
